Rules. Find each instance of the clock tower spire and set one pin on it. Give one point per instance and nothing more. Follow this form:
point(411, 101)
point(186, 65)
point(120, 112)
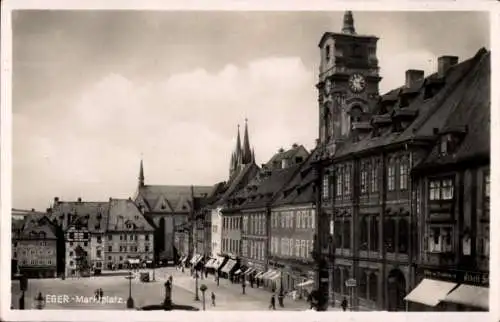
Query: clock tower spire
point(348, 80)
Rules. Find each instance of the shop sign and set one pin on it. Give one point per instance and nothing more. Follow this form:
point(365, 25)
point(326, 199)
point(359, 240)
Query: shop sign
point(456, 276)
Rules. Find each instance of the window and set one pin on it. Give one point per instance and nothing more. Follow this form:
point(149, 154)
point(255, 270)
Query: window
point(391, 176)
point(85, 235)
point(487, 185)
point(339, 178)
point(403, 236)
point(373, 287)
point(347, 182)
point(121, 237)
point(98, 253)
point(403, 175)
point(440, 240)
point(441, 189)
point(71, 235)
point(99, 239)
point(146, 237)
point(445, 144)
point(297, 248)
point(389, 235)
point(337, 233)
point(326, 186)
point(327, 53)
point(364, 179)
point(303, 249)
point(71, 253)
point(347, 234)
point(85, 244)
point(374, 178)
point(363, 227)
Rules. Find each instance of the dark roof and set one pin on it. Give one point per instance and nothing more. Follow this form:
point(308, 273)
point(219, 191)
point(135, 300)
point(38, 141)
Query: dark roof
point(296, 150)
point(431, 113)
point(169, 198)
point(300, 189)
point(87, 213)
point(37, 227)
point(123, 212)
point(267, 188)
point(471, 116)
point(241, 180)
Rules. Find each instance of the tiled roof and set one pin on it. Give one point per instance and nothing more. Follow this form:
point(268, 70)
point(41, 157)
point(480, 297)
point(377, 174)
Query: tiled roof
point(300, 189)
point(37, 225)
point(175, 197)
point(124, 212)
point(268, 187)
point(471, 113)
point(246, 174)
point(91, 214)
point(432, 112)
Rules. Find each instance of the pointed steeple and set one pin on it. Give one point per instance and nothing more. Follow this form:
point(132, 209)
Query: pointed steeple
point(238, 144)
point(141, 175)
point(253, 155)
point(348, 27)
point(247, 154)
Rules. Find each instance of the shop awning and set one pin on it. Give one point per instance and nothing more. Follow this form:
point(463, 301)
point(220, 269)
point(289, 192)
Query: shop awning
point(306, 283)
point(249, 271)
point(210, 263)
point(470, 295)
point(198, 259)
point(238, 272)
point(267, 274)
point(430, 292)
point(194, 259)
point(259, 275)
point(149, 261)
point(229, 266)
point(274, 276)
point(218, 264)
point(184, 259)
point(134, 260)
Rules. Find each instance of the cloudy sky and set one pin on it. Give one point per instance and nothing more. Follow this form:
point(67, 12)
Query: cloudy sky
point(93, 91)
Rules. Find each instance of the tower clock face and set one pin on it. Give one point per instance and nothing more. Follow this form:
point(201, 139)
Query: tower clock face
point(357, 83)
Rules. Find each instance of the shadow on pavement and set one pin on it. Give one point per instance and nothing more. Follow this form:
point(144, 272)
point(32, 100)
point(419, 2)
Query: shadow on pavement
point(112, 274)
point(155, 307)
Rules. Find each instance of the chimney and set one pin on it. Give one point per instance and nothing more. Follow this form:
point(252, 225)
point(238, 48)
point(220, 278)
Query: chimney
point(79, 199)
point(263, 165)
point(445, 63)
point(413, 76)
point(56, 200)
point(32, 209)
point(295, 145)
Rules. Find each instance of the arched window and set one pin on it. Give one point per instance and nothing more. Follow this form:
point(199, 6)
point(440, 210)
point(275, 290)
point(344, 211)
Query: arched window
point(347, 234)
point(373, 286)
point(362, 285)
point(337, 282)
point(374, 234)
point(356, 113)
point(389, 235)
point(363, 228)
point(403, 237)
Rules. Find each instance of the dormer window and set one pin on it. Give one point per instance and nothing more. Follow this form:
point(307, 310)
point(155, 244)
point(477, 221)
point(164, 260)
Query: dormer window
point(446, 144)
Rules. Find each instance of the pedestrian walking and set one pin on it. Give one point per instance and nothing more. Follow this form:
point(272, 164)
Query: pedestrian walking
point(272, 306)
point(101, 294)
point(206, 273)
point(344, 304)
point(213, 299)
point(218, 279)
point(96, 294)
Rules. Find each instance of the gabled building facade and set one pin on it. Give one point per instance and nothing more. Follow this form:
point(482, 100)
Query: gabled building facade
point(367, 146)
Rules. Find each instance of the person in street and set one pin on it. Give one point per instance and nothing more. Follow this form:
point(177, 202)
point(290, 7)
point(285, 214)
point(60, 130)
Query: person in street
point(272, 306)
point(206, 273)
point(101, 294)
point(243, 285)
point(344, 304)
point(96, 294)
point(281, 298)
point(213, 299)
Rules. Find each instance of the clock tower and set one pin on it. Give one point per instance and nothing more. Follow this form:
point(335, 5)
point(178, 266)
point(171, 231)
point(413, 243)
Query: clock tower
point(348, 80)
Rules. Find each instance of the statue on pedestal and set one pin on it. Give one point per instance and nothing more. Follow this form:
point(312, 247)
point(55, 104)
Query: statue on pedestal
point(167, 302)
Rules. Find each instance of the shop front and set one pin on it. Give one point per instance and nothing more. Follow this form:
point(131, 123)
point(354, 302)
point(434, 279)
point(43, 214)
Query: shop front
point(449, 290)
point(253, 270)
point(295, 277)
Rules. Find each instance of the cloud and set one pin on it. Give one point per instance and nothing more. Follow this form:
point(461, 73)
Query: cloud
point(184, 125)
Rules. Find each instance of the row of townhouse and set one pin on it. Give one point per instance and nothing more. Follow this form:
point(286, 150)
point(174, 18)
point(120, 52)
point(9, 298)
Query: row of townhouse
point(390, 210)
point(83, 238)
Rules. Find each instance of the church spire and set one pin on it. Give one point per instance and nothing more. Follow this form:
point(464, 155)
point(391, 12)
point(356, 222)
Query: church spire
point(247, 153)
point(348, 27)
point(253, 155)
point(141, 175)
point(238, 144)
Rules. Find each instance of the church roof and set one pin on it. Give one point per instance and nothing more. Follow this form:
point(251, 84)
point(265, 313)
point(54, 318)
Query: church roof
point(246, 174)
point(177, 198)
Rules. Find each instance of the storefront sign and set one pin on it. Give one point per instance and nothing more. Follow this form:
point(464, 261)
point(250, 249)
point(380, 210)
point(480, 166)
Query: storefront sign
point(456, 276)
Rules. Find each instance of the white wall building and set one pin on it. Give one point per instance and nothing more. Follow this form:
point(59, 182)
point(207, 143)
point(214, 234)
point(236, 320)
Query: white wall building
point(216, 231)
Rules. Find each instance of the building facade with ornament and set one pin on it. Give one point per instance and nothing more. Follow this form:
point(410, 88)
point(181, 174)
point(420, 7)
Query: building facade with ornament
point(367, 148)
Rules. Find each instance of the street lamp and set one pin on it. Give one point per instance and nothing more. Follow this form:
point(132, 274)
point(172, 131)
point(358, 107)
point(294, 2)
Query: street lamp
point(23, 285)
point(40, 301)
point(203, 288)
point(130, 300)
point(196, 296)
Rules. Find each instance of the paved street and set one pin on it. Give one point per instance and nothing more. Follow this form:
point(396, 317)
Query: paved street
point(115, 287)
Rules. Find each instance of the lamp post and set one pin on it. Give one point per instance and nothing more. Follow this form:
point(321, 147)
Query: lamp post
point(40, 301)
point(196, 296)
point(203, 288)
point(23, 285)
point(130, 300)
